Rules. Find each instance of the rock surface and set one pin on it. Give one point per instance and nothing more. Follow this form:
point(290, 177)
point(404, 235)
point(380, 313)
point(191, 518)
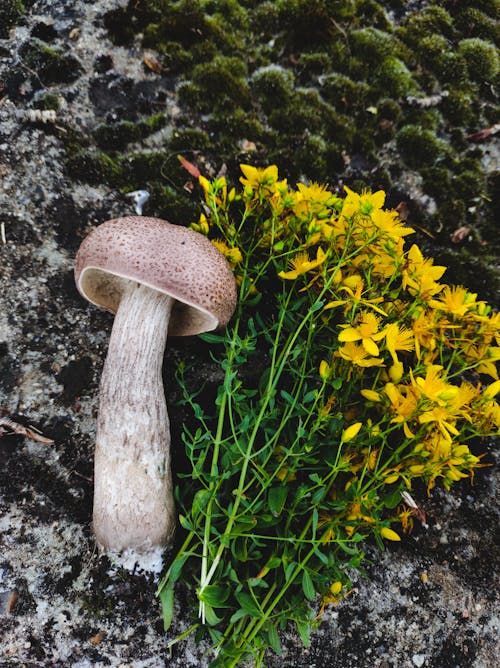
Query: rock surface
point(430, 601)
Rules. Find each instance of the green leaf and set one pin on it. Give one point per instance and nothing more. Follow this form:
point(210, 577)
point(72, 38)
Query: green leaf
point(185, 523)
point(248, 604)
point(304, 630)
point(289, 570)
point(200, 502)
point(287, 396)
point(166, 595)
point(273, 639)
point(337, 383)
point(212, 338)
point(238, 615)
point(276, 498)
point(176, 568)
point(214, 595)
point(315, 518)
point(307, 586)
point(392, 500)
point(211, 617)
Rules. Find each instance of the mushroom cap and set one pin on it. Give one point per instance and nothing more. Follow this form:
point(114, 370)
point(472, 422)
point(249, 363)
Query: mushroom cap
point(169, 258)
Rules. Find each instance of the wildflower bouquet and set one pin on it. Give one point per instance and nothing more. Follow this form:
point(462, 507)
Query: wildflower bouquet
point(350, 373)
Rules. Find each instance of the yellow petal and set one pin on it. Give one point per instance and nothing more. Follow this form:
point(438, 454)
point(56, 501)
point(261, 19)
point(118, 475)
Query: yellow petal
point(370, 346)
point(351, 432)
point(371, 395)
point(389, 534)
point(349, 334)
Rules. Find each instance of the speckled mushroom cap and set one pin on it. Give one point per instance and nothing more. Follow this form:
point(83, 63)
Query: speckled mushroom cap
point(172, 259)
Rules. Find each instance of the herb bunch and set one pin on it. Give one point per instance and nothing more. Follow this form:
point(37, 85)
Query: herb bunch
point(351, 373)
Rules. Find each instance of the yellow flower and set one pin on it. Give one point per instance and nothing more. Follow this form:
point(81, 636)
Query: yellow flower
point(364, 203)
point(433, 387)
point(353, 285)
point(324, 370)
point(389, 534)
point(389, 222)
point(403, 403)
point(366, 331)
point(424, 330)
point(256, 178)
point(302, 264)
point(233, 255)
point(351, 432)
point(492, 390)
point(313, 200)
point(398, 338)
point(455, 300)
point(420, 275)
point(441, 416)
point(202, 225)
point(355, 353)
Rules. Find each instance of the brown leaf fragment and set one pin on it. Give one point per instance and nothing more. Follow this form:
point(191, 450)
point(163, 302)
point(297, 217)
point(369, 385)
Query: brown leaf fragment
point(403, 210)
point(460, 234)
point(483, 134)
point(12, 601)
point(97, 639)
point(189, 167)
point(9, 426)
point(152, 63)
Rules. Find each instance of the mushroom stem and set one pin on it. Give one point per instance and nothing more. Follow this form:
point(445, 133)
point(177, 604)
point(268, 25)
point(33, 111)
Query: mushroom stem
point(134, 515)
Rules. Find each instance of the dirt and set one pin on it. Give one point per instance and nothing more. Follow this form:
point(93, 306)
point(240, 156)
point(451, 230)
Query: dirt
point(430, 601)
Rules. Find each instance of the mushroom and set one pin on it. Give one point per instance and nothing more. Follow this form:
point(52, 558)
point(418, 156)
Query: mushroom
point(157, 278)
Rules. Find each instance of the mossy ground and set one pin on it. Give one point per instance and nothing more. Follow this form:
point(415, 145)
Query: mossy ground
point(351, 91)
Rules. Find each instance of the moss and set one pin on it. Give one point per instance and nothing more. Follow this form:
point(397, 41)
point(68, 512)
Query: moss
point(302, 80)
point(472, 21)
point(429, 118)
point(52, 64)
point(388, 109)
point(11, 12)
point(374, 13)
point(313, 64)
point(344, 93)
point(457, 108)
point(307, 23)
point(436, 182)
point(49, 101)
point(273, 86)
point(433, 20)
point(393, 77)
point(221, 83)
point(92, 166)
point(371, 45)
point(308, 113)
point(469, 185)
point(312, 156)
point(117, 135)
point(265, 19)
point(481, 58)
point(189, 139)
point(419, 147)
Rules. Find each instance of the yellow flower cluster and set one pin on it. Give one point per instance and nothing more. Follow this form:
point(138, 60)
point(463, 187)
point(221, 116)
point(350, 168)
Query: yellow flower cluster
point(418, 355)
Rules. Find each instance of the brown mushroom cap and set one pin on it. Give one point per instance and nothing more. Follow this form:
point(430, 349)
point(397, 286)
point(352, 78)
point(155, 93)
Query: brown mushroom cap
point(169, 258)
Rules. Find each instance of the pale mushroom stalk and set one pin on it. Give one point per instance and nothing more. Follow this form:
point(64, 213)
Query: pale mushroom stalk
point(134, 515)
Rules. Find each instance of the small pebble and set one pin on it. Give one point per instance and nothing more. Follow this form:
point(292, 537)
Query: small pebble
point(418, 660)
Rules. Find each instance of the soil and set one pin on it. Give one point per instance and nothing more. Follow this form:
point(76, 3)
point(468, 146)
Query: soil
point(430, 601)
